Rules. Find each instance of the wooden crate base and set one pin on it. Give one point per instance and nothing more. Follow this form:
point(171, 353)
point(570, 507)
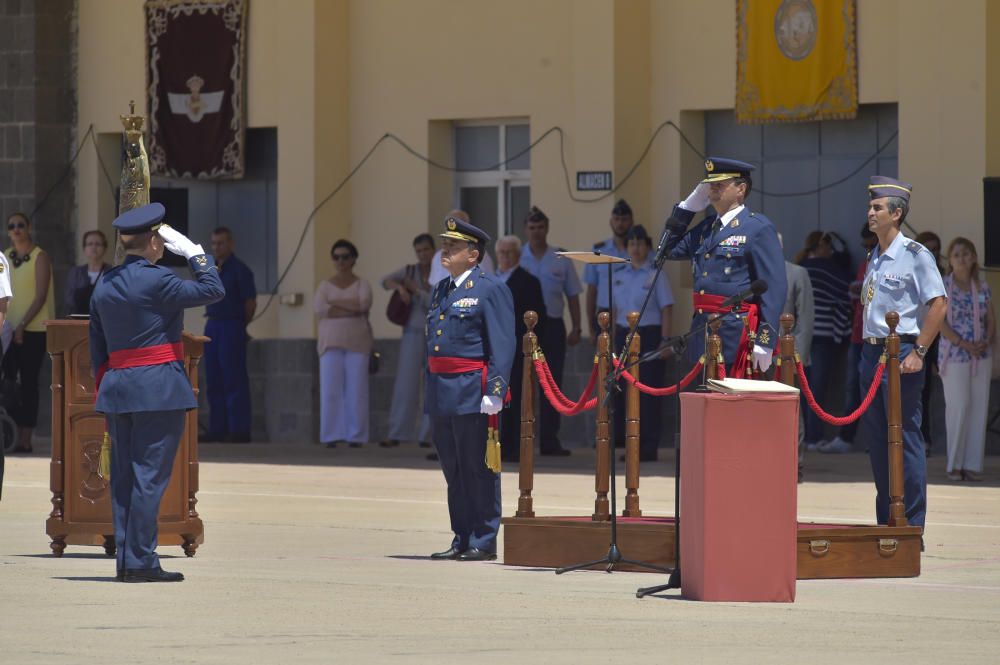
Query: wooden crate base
point(824, 550)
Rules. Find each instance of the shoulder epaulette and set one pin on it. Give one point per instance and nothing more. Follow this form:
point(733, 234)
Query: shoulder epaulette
point(915, 247)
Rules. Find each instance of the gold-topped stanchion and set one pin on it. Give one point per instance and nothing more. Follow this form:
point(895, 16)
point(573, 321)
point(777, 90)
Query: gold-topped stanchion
point(786, 346)
point(601, 471)
point(897, 509)
point(632, 416)
point(714, 362)
point(526, 472)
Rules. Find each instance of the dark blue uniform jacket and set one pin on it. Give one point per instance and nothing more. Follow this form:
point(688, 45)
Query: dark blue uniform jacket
point(140, 304)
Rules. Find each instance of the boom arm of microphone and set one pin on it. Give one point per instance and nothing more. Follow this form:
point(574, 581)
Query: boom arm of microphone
point(672, 227)
point(757, 287)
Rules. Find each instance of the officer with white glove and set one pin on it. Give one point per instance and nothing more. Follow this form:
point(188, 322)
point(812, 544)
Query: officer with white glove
point(728, 250)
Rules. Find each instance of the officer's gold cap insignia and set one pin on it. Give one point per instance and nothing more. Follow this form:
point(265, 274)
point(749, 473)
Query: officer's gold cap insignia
point(451, 224)
point(709, 166)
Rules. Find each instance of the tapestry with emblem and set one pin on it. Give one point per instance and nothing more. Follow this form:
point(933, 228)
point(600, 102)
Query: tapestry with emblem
point(195, 68)
point(796, 60)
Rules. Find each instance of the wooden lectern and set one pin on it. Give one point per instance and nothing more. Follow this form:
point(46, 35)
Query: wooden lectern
point(81, 501)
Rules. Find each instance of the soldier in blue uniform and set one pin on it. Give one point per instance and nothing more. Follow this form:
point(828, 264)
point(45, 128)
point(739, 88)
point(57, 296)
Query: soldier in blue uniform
point(728, 251)
point(595, 276)
point(227, 383)
point(470, 350)
point(902, 276)
point(136, 316)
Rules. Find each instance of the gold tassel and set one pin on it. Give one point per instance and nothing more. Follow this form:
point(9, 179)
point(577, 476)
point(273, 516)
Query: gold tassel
point(104, 461)
point(492, 450)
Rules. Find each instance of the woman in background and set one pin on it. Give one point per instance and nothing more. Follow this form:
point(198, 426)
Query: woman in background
point(344, 344)
point(81, 279)
point(412, 285)
point(29, 308)
point(966, 340)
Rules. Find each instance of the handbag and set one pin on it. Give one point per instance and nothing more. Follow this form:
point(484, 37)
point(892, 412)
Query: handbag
point(398, 311)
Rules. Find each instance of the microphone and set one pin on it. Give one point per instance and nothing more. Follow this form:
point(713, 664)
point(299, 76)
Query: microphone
point(672, 225)
point(757, 287)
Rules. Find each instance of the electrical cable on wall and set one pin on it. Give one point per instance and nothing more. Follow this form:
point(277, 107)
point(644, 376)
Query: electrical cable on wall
point(388, 136)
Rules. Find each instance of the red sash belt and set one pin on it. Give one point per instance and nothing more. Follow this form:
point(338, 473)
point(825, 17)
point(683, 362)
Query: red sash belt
point(158, 354)
point(711, 304)
point(447, 365)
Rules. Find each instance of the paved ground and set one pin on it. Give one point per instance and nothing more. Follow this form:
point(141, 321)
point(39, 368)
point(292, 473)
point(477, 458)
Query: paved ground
point(317, 556)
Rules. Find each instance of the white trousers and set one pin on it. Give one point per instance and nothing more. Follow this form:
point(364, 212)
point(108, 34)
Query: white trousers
point(966, 400)
point(343, 396)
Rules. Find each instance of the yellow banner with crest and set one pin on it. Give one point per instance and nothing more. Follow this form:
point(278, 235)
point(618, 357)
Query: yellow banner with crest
point(796, 60)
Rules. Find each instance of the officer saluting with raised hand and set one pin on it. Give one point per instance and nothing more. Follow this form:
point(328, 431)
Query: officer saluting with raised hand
point(470, 350)
point(729, 251)
point(136, 317)
point(902, 277)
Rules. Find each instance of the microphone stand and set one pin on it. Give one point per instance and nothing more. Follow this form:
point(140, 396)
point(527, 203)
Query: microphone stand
point(612, 385)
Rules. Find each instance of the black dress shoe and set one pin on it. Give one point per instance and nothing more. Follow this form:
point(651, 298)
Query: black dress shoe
point(211, 438)
point(426, 444)
point(151, 575)
point(474, 554)
point(556, 452)
point(239, 437)
point(450, 553)
point(388, 443)
point(433, 457)
point(120, 576)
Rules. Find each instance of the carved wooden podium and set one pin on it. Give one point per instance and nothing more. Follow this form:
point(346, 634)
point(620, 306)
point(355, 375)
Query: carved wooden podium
point(81, 501)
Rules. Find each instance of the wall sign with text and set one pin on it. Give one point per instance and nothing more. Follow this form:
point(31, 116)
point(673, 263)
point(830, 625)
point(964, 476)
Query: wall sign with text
point(593, 181)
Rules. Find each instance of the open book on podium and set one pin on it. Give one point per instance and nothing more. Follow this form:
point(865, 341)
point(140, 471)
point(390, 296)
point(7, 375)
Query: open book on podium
point(741, 386)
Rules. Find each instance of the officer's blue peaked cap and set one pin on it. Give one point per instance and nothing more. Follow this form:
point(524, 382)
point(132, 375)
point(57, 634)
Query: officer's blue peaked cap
point(139, 220)
point(718, 169)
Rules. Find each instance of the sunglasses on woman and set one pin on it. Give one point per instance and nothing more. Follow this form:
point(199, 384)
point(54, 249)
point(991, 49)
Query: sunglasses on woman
point(16, 225)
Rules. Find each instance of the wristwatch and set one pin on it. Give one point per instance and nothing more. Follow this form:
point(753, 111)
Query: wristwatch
point(921, 350)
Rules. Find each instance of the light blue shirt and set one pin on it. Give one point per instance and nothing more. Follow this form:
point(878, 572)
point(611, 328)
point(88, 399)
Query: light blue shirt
point(597, 273)
point(902, 280)
point(557, 275)
point(631, 284)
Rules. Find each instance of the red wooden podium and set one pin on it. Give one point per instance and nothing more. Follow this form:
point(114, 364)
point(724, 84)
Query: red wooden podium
point(738, 496)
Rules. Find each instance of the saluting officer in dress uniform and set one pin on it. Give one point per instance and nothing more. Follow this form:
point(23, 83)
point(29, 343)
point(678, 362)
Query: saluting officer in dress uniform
point(136, 316)
point(728, 251)
point(901, 277)
point(470, 350)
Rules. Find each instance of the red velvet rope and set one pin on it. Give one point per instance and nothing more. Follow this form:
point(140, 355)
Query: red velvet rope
point(669, 390)
point(842, 420)
point(557, 399)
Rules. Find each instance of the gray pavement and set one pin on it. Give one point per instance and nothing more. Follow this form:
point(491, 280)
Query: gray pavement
point(318, 556)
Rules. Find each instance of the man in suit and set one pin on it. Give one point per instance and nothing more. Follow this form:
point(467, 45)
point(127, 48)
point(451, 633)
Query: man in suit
point(136, 316)
point(470, 350)
point(527, 293)
point(728, 250)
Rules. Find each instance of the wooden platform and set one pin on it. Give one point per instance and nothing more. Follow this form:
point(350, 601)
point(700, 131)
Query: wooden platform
point(824, 550)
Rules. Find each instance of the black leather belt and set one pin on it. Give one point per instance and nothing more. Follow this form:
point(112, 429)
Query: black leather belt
point(880, 341)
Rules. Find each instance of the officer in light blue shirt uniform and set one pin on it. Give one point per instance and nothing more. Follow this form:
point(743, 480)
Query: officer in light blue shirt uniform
point(136, 316)
point(632, 282)
point(559, 280)
point(901, 277)
point(595, 276)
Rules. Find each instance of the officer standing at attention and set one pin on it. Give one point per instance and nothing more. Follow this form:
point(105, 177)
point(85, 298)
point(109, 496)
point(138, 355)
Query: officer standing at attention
point(902, 276)
point(136, 316)
point(728, 251)
point(470, 350)
point(559, 284)
point(595, 276)
point(226, 380)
